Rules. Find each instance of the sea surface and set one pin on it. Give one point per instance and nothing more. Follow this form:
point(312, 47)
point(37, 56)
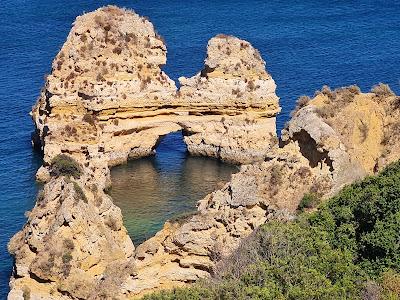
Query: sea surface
point(165, 186)
point(306, 44)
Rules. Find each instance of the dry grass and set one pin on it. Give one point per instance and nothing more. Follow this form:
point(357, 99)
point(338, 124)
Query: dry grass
point(382, 90)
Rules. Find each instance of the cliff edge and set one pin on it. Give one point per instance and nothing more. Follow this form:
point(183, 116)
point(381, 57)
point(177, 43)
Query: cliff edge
point(107, 100)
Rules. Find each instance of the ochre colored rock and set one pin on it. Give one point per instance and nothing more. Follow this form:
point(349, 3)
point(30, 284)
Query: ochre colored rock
point(107, 96)
point(107, 100)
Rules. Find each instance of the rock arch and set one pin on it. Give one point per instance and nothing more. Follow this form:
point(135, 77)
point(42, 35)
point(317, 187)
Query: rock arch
point(107, 100)
point(106, 94)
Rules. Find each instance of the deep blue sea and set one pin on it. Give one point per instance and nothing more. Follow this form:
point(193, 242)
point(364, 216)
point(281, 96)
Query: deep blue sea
point(306, 44)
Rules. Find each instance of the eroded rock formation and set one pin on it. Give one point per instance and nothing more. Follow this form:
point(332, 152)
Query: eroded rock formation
point(107, 100)
point(107, 96)
point(234, 79)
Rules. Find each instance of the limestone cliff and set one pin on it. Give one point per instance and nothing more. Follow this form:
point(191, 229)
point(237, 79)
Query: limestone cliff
point(319, 154)
point(107, 96)
point(234, 78)
point(356, 133)
point(107, 100)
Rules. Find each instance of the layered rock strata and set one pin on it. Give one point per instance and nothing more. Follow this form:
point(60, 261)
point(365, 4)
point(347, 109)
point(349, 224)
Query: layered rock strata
point(107, 96)
point(107, 100)
point(332, 140)
point(234, 78)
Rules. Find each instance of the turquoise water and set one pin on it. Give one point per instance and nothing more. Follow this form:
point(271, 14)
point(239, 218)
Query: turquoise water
point(167, 185)
point(306, 44)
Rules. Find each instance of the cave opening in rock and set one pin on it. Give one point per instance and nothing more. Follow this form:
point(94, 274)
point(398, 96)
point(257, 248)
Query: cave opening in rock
point(308, 148)
point(151, 190)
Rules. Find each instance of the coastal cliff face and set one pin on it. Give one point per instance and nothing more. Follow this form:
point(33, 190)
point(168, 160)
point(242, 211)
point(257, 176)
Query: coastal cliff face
point(107, 96)
point(332, 140)
point(107, 100)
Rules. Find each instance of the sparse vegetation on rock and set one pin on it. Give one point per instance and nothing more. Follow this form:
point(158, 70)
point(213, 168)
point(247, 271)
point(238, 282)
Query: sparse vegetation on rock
point(309, 200)
point(65, 165)
point(382, 90)
point(79, 194)
point(349, 249)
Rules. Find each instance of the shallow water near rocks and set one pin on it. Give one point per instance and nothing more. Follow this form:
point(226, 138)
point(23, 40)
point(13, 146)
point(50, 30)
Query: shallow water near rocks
point(306, 44)
point(151, 190)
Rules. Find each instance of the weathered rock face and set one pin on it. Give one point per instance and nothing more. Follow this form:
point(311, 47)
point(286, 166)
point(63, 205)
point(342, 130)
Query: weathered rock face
point(107, 100)
point(233, 79)
point(188, 249)
point(355, 133)
point(74, 245)
point(319, 154)
point(107, 96)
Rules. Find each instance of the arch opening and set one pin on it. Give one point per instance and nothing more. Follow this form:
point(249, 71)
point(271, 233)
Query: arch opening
point(164, 186)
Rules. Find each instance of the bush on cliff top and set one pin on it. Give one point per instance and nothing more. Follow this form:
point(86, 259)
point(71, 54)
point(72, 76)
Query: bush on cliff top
point(65, 165)
point(365, 219)
point(348, 249)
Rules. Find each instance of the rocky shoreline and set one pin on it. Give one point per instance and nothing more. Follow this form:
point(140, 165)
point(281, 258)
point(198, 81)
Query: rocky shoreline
point(107, 100)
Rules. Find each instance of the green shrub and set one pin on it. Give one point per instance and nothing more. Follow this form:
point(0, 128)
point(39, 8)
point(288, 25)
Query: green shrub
point(79, 194)
point(342, 251)
point(365, 219)
point(310, 200)
point(65, 165)
point(280, 261)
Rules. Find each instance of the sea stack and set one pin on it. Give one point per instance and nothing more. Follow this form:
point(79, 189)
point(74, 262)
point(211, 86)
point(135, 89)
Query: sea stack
point(107, 100)
point(107, 96)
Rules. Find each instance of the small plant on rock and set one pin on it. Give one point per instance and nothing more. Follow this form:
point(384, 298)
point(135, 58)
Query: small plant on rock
point(300, 103)
point(65, 165)
point(79, 194)
point(382, 90)
point(26, 293)
point(67, 257)
point(89, 118)
point(308, 201)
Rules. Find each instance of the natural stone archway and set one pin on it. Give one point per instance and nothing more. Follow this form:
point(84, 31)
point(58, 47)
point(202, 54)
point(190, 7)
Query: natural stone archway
point(107, 96)
point(107, 100)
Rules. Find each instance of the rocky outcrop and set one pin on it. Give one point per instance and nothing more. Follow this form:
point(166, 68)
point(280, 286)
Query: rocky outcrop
point(354, 133)
point(74, 245)
point(107, 96)
point(319, 154)
point(234, 77)
point(187, 249)
point(107, 100)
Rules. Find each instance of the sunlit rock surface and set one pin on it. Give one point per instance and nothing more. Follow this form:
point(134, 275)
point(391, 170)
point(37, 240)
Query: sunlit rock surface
point(107, 100)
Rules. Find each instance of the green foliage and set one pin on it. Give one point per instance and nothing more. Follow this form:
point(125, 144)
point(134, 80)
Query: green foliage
point(349, 249)
point(65, 165)
point(364, 218)
point(280, 261)
point(67, 257)
point(79, 194)
point(310, 200)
